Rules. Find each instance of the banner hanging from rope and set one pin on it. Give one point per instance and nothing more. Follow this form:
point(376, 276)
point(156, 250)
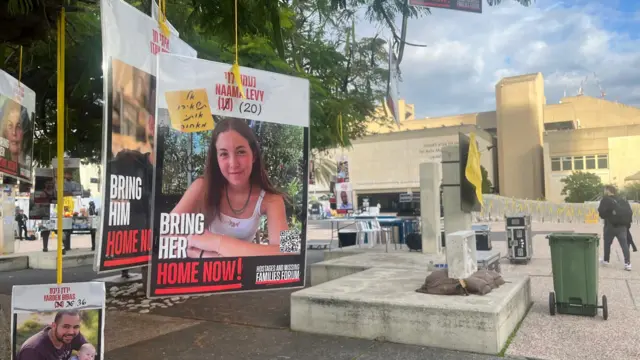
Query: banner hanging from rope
point(131, 41)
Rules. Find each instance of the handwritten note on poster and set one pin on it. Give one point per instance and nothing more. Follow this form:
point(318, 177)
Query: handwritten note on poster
point(189, 110)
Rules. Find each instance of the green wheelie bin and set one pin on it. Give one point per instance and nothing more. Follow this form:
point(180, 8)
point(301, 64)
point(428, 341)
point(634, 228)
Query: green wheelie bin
point(574, 262)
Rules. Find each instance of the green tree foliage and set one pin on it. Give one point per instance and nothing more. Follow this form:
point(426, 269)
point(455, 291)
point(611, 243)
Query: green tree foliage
point(631, 191)
point(581, 186)
point(313, 39)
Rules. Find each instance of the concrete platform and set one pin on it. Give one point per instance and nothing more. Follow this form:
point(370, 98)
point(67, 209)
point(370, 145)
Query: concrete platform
point(48, 260)
point(14, 262)
point(381, 303)
point(336, 253)
point(359, 261)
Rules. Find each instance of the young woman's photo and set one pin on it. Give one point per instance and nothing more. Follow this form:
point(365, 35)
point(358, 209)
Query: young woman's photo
point(234, 193)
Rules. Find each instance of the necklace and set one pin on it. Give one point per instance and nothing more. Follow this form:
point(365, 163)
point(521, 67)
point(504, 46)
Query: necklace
point(246, 203)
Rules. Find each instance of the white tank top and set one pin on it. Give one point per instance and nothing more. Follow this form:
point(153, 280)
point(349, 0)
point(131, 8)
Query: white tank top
point(241, 229)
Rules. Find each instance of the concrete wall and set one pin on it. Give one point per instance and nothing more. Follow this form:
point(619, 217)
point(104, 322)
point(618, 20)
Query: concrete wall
point(623, 158)
point(520, 111)
point(592, 112)
point(390, 162)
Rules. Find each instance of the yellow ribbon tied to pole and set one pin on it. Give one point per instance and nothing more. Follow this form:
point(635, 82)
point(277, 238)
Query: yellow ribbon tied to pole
point(235, 69)
point(162, 18)
point(60, 137)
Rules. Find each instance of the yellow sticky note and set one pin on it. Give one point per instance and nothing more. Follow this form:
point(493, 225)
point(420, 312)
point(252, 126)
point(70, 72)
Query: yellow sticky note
point(189, 110)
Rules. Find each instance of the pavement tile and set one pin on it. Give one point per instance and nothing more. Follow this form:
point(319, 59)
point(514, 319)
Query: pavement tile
point(123, 329)
point(265, 309)
point(231, 342)
point(565, 337)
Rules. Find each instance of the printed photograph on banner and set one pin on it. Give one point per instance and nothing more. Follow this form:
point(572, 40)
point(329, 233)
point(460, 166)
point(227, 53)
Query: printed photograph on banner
point(72, 182)
point(131, 41)
point(343, 171)
point(17, 112)
point(43, 195)
point(52, 321)
point(230, 201)
point(344, 197)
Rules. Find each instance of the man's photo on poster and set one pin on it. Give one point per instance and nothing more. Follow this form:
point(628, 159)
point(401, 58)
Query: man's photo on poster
point(344, 196)
point(61, 335)
point(246, 177)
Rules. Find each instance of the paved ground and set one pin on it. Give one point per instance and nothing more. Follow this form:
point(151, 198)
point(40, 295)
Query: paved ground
point(565, 337)
point(255, 325)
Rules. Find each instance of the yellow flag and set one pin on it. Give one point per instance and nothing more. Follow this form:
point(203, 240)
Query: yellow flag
point(472, 172)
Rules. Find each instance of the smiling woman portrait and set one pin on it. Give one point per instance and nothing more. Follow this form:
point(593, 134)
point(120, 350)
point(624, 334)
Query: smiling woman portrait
point(234, 193)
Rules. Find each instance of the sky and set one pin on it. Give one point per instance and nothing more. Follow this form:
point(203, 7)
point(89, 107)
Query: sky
point(467, 53)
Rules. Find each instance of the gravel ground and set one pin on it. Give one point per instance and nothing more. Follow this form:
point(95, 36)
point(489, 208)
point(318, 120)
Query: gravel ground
point(131, 297)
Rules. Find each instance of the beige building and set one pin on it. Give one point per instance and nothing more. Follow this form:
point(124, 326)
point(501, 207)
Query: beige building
point(527, 145)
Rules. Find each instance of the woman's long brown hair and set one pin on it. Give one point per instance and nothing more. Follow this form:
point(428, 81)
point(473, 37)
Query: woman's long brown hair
point(215, 182)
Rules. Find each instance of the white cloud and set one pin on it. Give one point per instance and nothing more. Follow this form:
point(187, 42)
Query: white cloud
point(468, 53)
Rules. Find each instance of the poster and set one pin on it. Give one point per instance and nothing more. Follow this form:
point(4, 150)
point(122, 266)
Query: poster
point(52, 321)
point(131, 41)
point(344, 197)
point(230, 205)
point(17, 117)
point(72, 184)
point(343, 171)
point(44, 194)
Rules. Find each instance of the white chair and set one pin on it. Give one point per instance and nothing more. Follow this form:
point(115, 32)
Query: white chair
point(371, 229)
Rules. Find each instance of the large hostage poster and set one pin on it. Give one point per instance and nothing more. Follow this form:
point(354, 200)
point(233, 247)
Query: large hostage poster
point(131, 41)
point(63, 321)
point(230, 205)
point(17, 117)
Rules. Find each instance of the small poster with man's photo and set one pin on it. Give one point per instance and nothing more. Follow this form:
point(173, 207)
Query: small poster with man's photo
point(62, 322)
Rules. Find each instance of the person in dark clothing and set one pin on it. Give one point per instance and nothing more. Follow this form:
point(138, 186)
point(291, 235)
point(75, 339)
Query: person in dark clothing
point(630, 239)
point(92, 209)
point(616, 213)
point(21, 219)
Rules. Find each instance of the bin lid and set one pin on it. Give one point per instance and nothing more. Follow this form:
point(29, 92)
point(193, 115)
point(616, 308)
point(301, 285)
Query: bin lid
point(573, 236)
point(480, 227)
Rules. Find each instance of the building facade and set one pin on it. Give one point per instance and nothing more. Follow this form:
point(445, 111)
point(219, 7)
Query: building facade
point(527, 145)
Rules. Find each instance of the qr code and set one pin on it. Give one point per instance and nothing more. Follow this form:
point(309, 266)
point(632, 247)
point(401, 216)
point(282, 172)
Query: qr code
point(290, 241)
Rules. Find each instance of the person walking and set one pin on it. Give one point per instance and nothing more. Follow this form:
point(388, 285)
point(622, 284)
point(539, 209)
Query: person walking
point(617, 214)
point(632, 245)
point(21, 219)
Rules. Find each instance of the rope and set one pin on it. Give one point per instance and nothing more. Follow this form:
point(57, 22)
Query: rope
point(235, 69)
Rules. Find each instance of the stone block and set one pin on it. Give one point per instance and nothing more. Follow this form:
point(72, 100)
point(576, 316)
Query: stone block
point(462, 258)
point(383, 304)
point(367, 258)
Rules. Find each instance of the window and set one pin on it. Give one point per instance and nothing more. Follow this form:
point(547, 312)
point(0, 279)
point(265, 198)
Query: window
point(555, 164)
point(578, 163)
point(566, 164)
point(603, 162)
point(590, 161)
